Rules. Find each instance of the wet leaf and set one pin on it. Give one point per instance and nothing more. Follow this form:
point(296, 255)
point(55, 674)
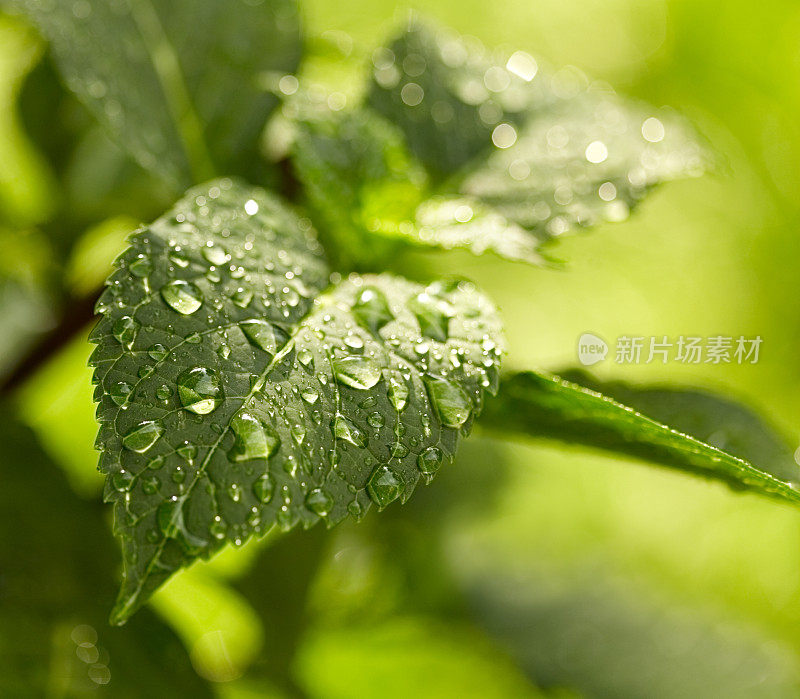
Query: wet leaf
point(542, 405)
point(174, 83)
point(258, 394)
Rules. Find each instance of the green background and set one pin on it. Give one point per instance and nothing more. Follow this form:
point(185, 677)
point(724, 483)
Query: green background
point(524, 565)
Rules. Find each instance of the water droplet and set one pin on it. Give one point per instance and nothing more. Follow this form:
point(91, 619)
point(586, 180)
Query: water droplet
point(356, 371)
point(451, 402)
point(242, 297)
point(144, 371)
point(309, 395)
point(188, 452)
point(119, 392)
point(254, 439)
point(372, 309)
point(218, 528)
point(430, 461)
point(151, 485)
point(182, 296)
point(199, 390)
point(263, 488)
point(156, 462)
point(432, 315)
point(354, 508)
point(354, 342)
point(264, 335)
point(398, 393)
point(170, 517)
point(383, 486)
point(143, 436)
point(319, 502)
point(122, 480)
point(216, 255)
point(163, 392)
point(376, 420)
point(346, 430)
point(306, 358)
point(125, 330)
point(157, 352)
point(142, 266)
point(235, 492)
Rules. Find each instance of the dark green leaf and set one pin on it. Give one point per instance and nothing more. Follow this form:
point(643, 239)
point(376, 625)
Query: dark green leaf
point(540, 405)
point(175, 83)
point(239, 390)
point(718, 421)
point(58, 558)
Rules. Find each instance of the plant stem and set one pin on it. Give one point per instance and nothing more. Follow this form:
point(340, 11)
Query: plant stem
point(77, 314)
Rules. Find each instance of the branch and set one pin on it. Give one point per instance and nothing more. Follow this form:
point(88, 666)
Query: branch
point(77, 314)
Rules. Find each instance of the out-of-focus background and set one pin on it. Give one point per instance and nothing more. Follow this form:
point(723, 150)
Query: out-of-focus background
point(523, 569)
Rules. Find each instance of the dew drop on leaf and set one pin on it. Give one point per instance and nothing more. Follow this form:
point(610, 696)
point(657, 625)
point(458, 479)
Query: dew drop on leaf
point(143, 436)
point(309, 395)
point(264, 335)
point(182, 296)
point(263, 488)
point(398, 393)
point(216, 255)
point(125, 330)
point(383, 486)
point(319, 502)
point(119, 392)
point(199, 390)
point(306, 358)
point(356, 371)
point(344, 429)
point(142, 266)
point(157, 352)
point(430, 461)
point(450, 401)
point(254, 439)
point(122, 480)
point(372, 309)
point(432, 315)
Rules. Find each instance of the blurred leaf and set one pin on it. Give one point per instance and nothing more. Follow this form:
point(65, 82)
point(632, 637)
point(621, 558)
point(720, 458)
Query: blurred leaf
point(605, 639)
point(406, 657)
point(57, 557)
point(26, 293)
point(26, 189)
point(358, 175)
point(361, 179)
point(213, 398)
point(541, 405)
point(562, 152)
point(178, 84)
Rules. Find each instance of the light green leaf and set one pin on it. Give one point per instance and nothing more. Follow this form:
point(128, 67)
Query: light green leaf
point(541, 405)
point(239, 389)
point(175, 83)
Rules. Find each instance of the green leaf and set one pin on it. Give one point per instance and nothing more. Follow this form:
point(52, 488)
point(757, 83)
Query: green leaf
point(542, 405)
point(58, 561)
point(357, 174)
point(239, 389)
point(550, 622)
point(720, 422)
point(360, 177)
point(175, 83)
point(544, 152)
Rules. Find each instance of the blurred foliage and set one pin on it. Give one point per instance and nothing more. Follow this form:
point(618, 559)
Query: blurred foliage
point(571, 561)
